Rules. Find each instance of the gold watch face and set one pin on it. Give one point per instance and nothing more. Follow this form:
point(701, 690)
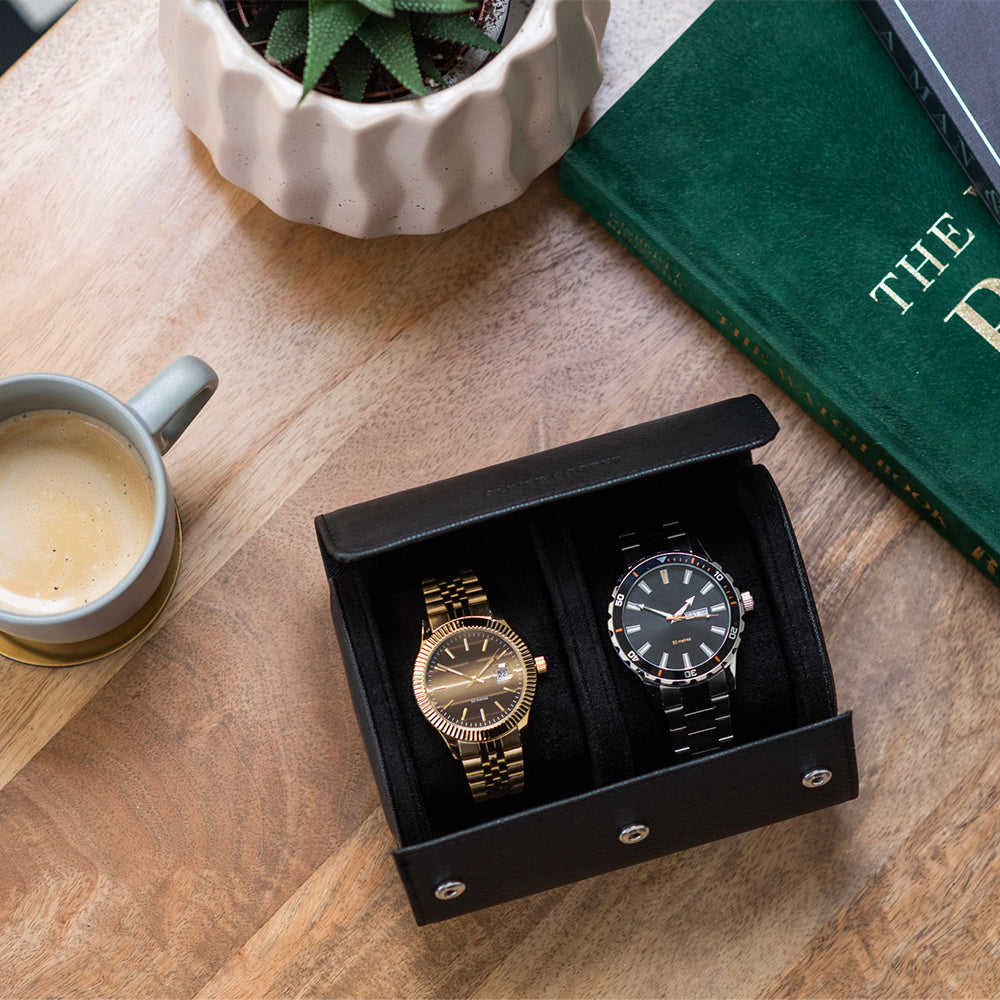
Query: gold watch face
point(474, 679)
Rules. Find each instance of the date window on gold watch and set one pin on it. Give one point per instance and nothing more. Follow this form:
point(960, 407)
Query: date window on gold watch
point(503, 674)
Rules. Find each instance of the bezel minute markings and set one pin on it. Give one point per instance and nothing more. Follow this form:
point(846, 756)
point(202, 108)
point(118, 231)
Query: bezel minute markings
point(486, 690)
point(676, 619)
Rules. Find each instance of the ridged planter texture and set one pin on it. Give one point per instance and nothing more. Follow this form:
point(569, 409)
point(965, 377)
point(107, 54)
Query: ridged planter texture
point(412, 166)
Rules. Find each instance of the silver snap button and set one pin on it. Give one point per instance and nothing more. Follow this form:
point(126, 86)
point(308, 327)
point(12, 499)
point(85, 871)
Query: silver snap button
point(449, 890)
point(816, 778)
point(634, 834)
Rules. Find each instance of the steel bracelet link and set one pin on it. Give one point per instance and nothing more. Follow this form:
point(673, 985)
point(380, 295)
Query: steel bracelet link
point(699, 717)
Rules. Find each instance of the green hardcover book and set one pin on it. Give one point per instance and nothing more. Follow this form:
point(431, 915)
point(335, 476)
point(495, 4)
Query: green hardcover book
point(775, 170)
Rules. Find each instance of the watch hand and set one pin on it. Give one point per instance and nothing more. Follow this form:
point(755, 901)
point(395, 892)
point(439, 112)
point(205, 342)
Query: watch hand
point(465, 677)
point(679, 613)
point(662, 614)
point(487, 665)
point(453, 684)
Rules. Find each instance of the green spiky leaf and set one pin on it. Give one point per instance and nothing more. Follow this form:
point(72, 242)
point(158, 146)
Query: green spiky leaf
point(353, 65)
point(453, 28)
point(290, 33)
point(384, 7)
point(331, 24)
point(350, 33)
point(427, 67)
point(391, 42)
point(436, 6)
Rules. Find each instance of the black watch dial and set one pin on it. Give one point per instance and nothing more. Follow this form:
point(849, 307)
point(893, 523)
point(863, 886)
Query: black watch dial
point(676, 618)
point(475, 678)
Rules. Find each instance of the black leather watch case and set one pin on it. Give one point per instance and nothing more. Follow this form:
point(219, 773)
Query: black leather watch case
point(541, 533)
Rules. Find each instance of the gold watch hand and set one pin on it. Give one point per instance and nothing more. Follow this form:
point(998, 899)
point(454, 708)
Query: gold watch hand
point(458, 673)
point(487, 665)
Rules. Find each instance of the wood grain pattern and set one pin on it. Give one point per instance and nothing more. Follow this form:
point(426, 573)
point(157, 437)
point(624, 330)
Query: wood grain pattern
point(195, 816)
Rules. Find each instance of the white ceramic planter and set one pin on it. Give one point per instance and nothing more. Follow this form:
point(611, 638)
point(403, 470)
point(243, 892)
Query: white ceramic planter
point(417, 166)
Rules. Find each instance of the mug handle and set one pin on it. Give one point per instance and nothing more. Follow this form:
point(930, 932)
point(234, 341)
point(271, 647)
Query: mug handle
point(173, 398)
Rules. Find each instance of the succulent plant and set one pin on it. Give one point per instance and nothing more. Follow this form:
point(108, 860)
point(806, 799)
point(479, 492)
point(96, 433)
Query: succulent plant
point(356, 36)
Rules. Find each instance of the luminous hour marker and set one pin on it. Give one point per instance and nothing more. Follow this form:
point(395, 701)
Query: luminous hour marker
point(465, 642)
point(687, 660)
point(708, 586)
point(718, 630)
point(716, 608)
point(663, 576)
point(644, 587)
point(632, 606)
point(706, 649)
point(663, 662)
point(687, 576)
point(629, 629)
point(642, 651)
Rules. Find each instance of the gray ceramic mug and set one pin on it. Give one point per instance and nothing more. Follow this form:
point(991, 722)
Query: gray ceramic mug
point(151, 421)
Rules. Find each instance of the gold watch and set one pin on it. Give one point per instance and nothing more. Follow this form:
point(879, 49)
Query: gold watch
point(474, 680)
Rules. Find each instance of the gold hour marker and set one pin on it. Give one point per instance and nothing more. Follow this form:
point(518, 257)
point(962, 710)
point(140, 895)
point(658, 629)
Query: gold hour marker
point(498, 705)
point(486, 642)
point(449, 652)
point(482, 714)
point(465, 712)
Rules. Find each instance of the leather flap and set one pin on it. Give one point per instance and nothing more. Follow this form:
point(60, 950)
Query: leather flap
point(725, 428)
point(693, 803)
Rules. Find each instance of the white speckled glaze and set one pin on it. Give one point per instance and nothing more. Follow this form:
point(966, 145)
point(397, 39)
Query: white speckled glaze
point(418, 166)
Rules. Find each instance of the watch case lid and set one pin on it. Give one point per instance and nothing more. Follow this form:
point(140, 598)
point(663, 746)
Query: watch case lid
point(728, 427)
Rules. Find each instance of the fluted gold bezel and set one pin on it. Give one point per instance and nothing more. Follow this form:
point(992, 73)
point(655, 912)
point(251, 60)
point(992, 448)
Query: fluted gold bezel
point(474, 734)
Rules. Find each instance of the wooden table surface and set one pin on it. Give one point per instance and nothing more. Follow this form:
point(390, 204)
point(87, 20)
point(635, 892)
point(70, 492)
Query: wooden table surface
point(195, 815)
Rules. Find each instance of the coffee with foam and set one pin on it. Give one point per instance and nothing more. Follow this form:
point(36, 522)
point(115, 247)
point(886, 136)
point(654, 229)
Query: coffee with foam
point(77, 509)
